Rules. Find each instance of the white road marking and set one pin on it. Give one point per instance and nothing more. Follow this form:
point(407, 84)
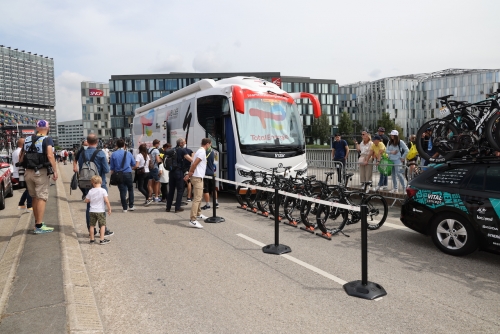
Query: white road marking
point(301, 263)
point(400, 227)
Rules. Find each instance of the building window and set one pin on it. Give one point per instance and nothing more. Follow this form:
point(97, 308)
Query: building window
point(111, 86)
point(112, 98)
point(160, 84)
point(119, 85)
point(171, 84)
point(144, 97)
point(128, 84)
point(140, 84)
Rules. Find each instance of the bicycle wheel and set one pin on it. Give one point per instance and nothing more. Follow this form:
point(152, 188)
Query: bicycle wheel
point(444, 139)
point(330, 218)
point(291, 208)
point(262, 199)
point(250, 198)
point(377, 211)
point(241, 193)
point(493, 130)
point(306, 209)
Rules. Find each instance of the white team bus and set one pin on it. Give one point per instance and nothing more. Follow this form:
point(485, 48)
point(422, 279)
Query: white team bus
point(253, 124)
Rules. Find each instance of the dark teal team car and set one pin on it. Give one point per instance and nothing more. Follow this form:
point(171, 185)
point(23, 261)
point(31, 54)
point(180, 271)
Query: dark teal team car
point(458, 204)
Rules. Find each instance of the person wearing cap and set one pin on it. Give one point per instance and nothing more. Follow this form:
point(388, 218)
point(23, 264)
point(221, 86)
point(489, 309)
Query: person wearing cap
point(397, 151)
point(340, 151)
point(381, 133)
point(376, 151)
point(37, 173)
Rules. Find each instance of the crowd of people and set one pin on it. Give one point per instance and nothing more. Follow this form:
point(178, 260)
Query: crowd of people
point(146, 170)
point(371, 150)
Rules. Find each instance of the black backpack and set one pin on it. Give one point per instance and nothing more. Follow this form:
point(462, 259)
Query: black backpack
point(170, 159)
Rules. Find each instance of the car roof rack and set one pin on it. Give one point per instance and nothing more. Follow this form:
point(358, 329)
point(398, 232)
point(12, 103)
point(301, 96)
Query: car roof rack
point(469, 159)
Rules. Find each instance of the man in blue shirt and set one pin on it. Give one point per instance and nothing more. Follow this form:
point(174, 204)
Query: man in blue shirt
point(340, 151)
point(102, 166)
point(127, 184)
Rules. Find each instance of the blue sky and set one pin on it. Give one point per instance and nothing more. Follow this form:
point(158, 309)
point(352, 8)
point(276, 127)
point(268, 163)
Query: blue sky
point(348, 41)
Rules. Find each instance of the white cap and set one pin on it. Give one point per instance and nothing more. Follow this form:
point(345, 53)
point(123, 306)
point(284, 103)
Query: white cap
point(394, 133)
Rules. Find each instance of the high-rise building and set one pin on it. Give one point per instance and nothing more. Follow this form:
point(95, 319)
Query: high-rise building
point(129, 92)
point(96, 109)
point(411, 100)
point(70, 134)
point(27, 84)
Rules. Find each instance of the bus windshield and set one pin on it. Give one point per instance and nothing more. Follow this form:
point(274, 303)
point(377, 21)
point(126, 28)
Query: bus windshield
point(270, 123)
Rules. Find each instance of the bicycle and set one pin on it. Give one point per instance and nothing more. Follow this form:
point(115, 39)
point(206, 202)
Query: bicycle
point(332, 219)
point(460, 131)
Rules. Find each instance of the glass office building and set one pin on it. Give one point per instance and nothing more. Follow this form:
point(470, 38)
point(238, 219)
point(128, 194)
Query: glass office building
point(27, 83)
point(129, 92)
point(411, 100)
point(70, 134)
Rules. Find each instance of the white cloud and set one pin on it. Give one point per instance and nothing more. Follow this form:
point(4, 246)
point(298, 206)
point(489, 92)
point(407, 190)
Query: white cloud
point(69, 96)
point(171, 63)
point(210, 61)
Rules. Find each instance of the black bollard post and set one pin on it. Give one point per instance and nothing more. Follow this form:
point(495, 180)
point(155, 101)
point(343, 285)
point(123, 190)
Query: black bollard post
point(214, 218)
point(364, 288)
point(276, 249)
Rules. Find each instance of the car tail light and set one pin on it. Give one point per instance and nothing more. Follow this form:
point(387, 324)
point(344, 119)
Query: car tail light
point(410, 192)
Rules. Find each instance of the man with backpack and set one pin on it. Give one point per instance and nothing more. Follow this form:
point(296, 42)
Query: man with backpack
point(123, 161)
point(176, 179)
point(101, 164)
point(154, 182)
point(37, 157)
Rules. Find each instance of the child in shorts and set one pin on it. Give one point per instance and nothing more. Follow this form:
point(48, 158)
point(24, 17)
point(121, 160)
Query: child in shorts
point(98, 199)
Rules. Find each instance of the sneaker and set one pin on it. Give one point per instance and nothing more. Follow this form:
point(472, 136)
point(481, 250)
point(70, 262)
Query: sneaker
point(92, 241)
point(194, 223)
point(201, 217)
point(104, 242)
point(180, 210)
point(217, 205)
point(205, 207)
point(149, 201)
point(124, 210)
point(189, 200)
point(108, 233)
point(43, 230)
point(385, 188)
point(157, 200)
point(376, 188)
point(45, 227)
point(21, 207)
point(29, 209)
point(132, 208)
point(394, 191)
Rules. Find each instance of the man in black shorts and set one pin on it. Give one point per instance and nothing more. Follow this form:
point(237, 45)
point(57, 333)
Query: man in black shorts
point(208, 186)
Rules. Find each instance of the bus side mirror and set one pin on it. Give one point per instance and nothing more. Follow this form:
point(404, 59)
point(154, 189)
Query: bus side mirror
point(238, 99)
point(315, 102)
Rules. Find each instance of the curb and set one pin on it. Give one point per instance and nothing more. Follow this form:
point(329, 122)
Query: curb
point(81, 311)
point(10, 259)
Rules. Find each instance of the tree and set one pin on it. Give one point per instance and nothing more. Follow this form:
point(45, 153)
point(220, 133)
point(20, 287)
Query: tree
point(387, 123)
point(321, 129)
point(345, 124)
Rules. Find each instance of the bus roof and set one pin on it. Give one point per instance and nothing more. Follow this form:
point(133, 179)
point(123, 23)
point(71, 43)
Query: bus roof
point(207, 84)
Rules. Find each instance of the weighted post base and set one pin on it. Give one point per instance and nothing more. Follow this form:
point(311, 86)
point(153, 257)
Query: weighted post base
point(369, 291)
point(214, 220)
point(276, 249)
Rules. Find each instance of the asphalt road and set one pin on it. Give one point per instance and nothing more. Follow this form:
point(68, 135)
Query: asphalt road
point(158, 275)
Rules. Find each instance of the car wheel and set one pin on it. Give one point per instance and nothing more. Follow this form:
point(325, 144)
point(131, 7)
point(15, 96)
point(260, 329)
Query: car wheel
point(453, 235)
point(10, 193)
point(2, 198)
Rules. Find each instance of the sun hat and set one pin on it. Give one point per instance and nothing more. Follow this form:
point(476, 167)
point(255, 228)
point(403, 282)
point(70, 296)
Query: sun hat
point(394, 133)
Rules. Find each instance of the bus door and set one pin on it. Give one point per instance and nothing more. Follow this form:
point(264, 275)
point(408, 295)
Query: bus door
point(217, 131)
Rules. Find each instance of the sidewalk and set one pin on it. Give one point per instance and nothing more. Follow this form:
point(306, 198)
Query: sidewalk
point(44, 283)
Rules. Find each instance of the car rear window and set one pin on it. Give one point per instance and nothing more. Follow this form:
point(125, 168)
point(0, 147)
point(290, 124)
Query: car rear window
point(453, 177)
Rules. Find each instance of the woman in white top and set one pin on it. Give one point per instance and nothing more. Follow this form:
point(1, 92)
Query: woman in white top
point(142, 170)
point(363, 147)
